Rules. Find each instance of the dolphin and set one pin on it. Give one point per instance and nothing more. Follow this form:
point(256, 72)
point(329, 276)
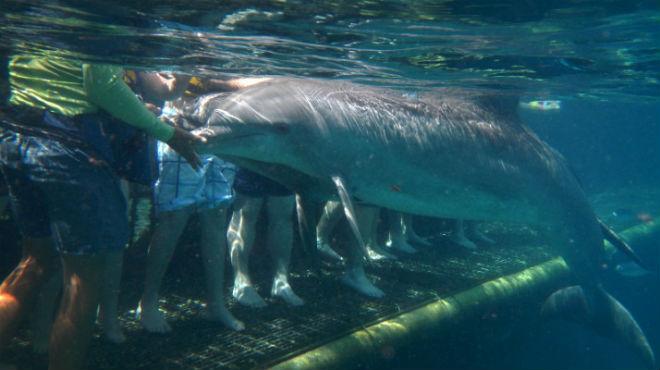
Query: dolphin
point(458, 155)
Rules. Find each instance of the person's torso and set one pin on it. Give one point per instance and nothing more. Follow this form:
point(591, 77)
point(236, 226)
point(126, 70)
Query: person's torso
point(51, 84)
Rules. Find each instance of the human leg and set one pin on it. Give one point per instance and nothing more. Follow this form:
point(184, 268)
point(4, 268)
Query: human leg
point(240, 236)
point(169, 227)
point(21, 287)
point(47, 304)
point(108, 315)
point(398, 239)
point(369, 229)
point(280, 241)
point(89, 223)
point(355, 276)
point(73, 326)
point(458, 236)
point(214, 248)
point(473, 231)
point(409, 231)
point(332, 213)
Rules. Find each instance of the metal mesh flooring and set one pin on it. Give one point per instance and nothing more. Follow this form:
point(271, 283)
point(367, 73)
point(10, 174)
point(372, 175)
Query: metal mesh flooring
point(278, 331)
point(331, 310)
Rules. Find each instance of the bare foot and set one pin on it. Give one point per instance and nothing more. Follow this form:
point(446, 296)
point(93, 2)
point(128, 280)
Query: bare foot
point(482, 237)
point(376, 253)
point(248, 296)
point(464, 242)
point(219, 313)
point(402, 245)
point(359, 281)
point(152, 319)
point(282, 289)
point(112, 331)
point(326, 251)
point(111, 327)
point(416, 239)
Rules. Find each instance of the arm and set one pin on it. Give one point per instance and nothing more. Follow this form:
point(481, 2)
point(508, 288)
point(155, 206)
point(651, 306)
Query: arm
point(104, 87)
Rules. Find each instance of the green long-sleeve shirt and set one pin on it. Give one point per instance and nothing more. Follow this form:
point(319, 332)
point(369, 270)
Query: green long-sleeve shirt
point(70, 88)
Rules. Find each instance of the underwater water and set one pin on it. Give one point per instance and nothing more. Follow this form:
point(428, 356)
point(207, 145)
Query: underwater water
point(586, 74)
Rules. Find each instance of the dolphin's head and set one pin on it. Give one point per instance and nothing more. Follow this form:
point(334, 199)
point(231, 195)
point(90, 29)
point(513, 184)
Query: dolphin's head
point(259, 123)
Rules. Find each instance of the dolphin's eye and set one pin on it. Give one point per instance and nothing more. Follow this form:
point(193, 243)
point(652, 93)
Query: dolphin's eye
point(281, 127)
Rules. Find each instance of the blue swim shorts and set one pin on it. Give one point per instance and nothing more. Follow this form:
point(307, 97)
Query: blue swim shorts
point(59, 189)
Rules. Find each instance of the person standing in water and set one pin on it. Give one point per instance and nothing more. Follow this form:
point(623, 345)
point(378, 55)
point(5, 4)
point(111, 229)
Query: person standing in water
point(135, 158)
point(252, 192)
point(180, 192)
point(64, 192)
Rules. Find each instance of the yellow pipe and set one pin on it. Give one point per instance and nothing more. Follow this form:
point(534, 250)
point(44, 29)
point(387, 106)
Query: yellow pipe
point(364, 345)
point(427, 320)
point(638, 236)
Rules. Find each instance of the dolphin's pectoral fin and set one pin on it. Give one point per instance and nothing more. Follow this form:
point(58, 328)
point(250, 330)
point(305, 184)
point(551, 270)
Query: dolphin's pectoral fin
point(603, 314)
point(349, 211)
point(620, 244)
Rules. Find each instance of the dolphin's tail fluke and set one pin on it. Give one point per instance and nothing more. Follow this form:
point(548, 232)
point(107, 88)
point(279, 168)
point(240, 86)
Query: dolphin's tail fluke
point(620, 244)
point(599, 311)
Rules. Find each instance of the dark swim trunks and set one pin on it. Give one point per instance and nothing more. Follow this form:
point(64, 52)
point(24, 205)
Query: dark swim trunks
point(255, 185)
point(58, 188)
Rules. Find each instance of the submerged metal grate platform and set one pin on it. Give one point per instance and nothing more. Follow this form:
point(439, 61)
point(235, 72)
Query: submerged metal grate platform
point(278, 331)
point(332, 311)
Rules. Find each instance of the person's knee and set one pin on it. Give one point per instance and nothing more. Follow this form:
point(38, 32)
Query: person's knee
point(83, 276)
point(40, 257)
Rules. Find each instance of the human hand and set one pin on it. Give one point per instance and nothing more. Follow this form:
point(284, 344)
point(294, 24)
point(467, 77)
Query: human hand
point(153, 108)
point(183, 142)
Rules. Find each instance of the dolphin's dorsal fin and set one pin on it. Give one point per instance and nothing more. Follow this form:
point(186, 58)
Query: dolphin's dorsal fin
point(349, 210)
